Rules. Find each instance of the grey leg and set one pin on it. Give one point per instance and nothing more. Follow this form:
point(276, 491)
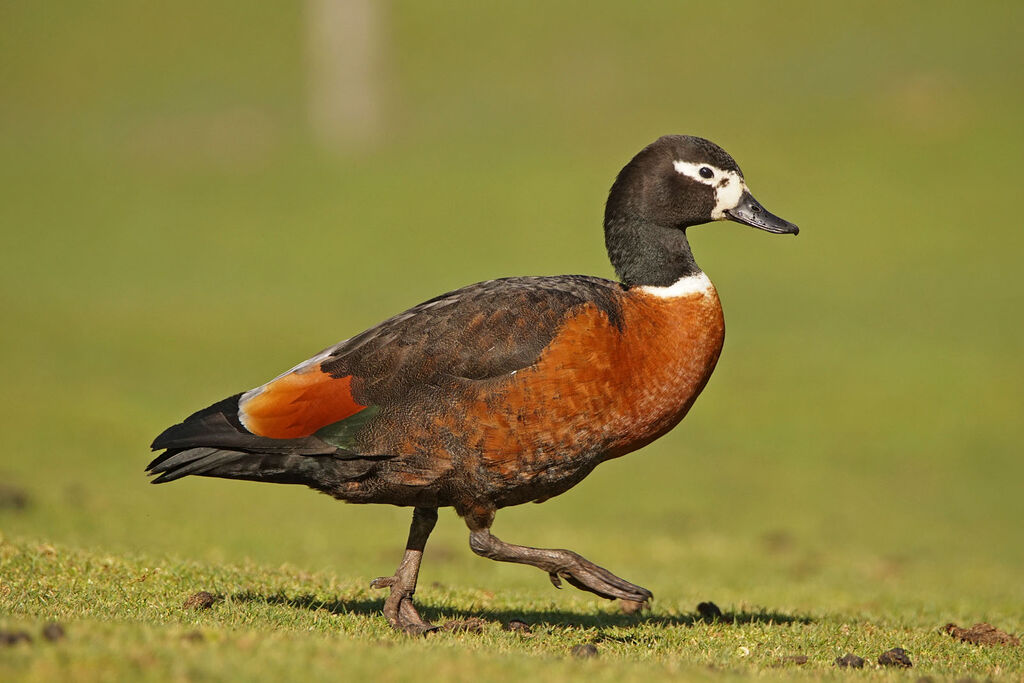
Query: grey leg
point(398, 608)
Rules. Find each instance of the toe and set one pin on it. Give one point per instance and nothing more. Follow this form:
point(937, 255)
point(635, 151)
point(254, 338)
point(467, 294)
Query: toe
point(589, 577)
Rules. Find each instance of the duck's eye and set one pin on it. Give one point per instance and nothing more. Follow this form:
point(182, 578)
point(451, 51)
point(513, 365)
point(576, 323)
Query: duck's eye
point(706, 172)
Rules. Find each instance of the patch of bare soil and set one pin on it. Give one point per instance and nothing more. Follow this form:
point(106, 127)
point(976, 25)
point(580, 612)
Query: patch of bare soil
point(981, 634)
point(850, 661)
point(200, 600)
point(518, 626)
point(895, 657)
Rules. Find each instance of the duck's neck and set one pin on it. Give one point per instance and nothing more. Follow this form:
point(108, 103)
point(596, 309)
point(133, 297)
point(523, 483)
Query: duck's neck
point(648, 255)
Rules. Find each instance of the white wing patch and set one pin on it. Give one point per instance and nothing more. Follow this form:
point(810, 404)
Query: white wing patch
point(729, 185)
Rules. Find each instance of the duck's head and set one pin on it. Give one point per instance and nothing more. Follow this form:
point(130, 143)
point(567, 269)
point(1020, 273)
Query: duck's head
point(676, 182)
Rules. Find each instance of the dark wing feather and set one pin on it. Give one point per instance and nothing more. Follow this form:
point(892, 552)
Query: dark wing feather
point(485, 330)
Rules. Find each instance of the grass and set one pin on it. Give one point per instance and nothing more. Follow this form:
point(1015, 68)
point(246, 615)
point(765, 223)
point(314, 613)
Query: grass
point(170, 233)
point(125, 619)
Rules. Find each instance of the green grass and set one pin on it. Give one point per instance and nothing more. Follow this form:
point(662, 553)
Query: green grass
point(125, 618)
point(170, 233)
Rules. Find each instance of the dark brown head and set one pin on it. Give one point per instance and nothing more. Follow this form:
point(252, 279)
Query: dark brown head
point(676, 182)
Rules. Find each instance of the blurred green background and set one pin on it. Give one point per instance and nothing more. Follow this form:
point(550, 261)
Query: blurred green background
point(173, 230)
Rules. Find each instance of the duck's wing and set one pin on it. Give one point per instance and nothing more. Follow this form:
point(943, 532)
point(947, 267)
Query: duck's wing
point(323, 405)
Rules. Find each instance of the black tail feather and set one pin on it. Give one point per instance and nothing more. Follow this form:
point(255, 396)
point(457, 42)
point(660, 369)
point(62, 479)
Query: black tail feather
point(191, 461)
point(318, 471)
point(216, 431)
point(214, 443)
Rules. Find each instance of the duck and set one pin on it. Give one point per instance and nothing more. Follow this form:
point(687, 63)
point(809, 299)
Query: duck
point(503, 392)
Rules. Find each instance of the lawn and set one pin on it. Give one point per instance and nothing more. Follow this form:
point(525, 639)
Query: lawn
point(172, 233)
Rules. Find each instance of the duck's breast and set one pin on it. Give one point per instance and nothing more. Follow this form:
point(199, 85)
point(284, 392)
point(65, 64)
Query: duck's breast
point(601, 389)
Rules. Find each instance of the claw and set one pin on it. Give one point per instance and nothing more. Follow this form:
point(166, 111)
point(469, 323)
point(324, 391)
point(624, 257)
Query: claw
point(555, 580)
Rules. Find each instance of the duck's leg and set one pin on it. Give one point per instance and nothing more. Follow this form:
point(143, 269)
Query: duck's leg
point(559, 564)
point(398, 608)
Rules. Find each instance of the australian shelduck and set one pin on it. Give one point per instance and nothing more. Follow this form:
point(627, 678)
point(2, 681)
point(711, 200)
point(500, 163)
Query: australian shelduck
point(503, 392)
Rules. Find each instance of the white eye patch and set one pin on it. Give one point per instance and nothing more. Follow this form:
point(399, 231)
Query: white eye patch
point(729, 185)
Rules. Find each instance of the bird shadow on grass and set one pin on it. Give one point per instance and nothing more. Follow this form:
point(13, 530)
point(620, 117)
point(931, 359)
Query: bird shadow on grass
point(533, 617)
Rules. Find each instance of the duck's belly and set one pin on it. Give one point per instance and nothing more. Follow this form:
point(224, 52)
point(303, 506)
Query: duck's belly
point(597, 392)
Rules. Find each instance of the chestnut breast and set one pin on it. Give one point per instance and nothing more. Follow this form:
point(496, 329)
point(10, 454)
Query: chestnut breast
point(599, 390)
